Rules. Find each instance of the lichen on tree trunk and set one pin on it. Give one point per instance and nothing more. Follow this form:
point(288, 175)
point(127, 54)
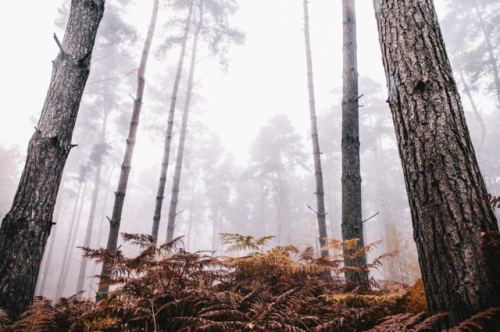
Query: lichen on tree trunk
point(442, 175)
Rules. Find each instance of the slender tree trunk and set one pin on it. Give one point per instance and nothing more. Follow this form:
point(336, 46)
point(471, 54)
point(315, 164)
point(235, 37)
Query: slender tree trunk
point(103, 216)
point(191, 211)
point(68, 241)
point(479, 145)
point(170, 127)
point(93, 205)
point(25, 229)
point(62, 282)
point(489, 48)
point(332, 197)
point(114, 229)
point(352, 221)
point(279, 202)
point(320, 192)
point(262, 205)
point(182, 140)
point(442, 175)
point(50, 253)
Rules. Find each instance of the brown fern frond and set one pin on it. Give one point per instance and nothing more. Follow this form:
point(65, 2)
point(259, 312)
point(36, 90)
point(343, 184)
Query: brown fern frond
point(38, 318)
point(4, 321)
point(476, 321)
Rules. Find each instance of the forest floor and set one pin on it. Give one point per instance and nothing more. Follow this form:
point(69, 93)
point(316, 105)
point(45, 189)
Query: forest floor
point(165, 288)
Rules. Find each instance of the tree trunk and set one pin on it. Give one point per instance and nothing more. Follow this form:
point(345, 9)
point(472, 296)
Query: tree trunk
point(93, 205)
point(279, 202)
point(442, 175)
point(170, 126)
point(352, 224)
point(182, 140)
point(68, 240)
point(51, 250)
point(479, 145)
point(67, 263)
point(25, 229)
point(262, 206)
point(114, 224)
point(320, 192)
point(489, 49)
point(191, 212)
point(103, 216)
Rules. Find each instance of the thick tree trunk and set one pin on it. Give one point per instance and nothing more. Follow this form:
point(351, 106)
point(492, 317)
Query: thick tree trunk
point(93, 205)
point(320, 192)
point(25, 229)
point(442, 175)
point(170, 127)
point(114, 229)
point(67, 263)
point(332, 198)
point(480, 143)
point(182, 140)
point(352, 224)
point(46, 270)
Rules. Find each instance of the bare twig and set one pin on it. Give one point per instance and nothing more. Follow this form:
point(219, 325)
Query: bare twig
point(376, 214)
point(59, 44)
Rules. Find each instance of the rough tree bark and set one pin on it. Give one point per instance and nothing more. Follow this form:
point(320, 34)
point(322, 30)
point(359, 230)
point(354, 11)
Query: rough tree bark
point(25, 229)
point(49, 253)
point(442, 175)
point(114, 224)
point(93, 205)
point(63, 277)
point(182, 140)
point(352, 224)
point(320, 192)
point(170, 127)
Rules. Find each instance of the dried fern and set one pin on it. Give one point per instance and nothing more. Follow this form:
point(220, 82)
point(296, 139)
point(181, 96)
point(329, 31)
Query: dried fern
point(38, 318)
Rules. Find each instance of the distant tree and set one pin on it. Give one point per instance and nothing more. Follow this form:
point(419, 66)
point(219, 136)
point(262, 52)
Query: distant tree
point(443, 180)
point(129, 151)
point(352, 218)
point(213, 29)
point(10, 161)
point(170, 123)
point(276, 152)
point(27, 226)
point(475, 23)
point(320, 192)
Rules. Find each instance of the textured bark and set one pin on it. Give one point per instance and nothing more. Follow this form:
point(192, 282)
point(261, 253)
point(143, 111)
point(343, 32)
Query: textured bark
point(442, 176)
point(352, 225)
point(480, 143)
point(170, 127)
point(182, 140)
point(25, 229)
point(93, 205)
point(320, 192)
point(114, 229)
point(63, 277)
point(50, 252)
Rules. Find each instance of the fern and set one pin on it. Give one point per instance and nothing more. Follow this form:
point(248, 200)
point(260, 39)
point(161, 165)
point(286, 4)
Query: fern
point(38, 318)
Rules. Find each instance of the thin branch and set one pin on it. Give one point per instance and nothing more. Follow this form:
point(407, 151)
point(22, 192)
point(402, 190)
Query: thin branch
point(376, 214)
point(59, 44)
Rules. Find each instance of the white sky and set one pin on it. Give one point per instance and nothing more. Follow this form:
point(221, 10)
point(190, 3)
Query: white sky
point(266, 76)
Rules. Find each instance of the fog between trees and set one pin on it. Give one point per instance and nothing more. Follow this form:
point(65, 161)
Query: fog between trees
point(247, 165)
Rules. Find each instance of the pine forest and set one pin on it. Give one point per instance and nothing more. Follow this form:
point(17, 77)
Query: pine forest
point(250, 165)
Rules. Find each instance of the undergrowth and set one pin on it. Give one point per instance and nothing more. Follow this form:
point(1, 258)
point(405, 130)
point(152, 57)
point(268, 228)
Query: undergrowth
point(278, 289)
